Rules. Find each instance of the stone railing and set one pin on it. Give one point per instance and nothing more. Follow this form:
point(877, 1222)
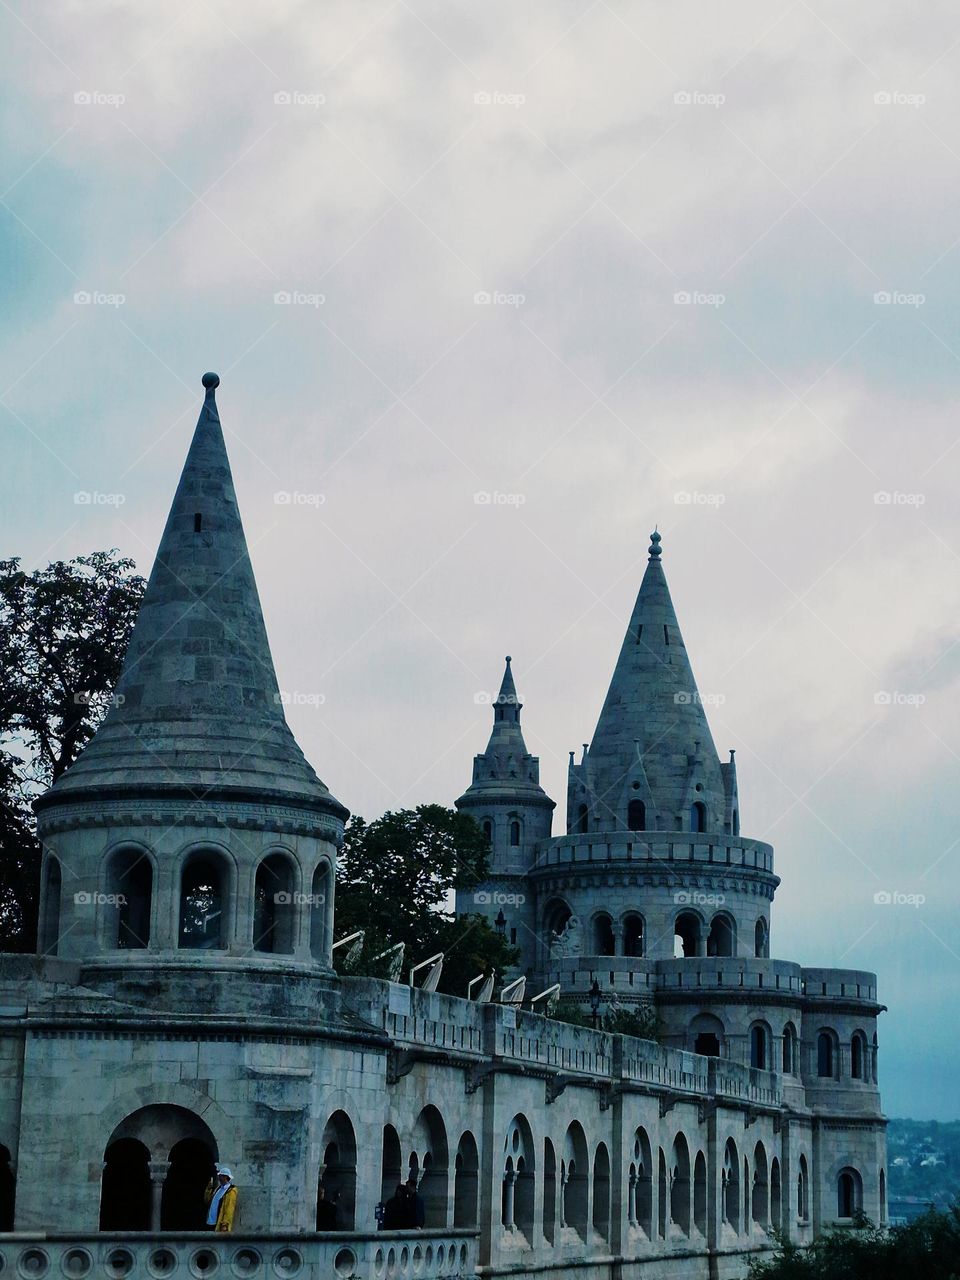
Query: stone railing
point(726, 973)
point(840, 984)
point(426, 1255)
point(745, 1084)
point(682, 848)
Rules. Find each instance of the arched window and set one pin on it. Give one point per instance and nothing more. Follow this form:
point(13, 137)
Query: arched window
point(575, 1173)
point(466, 1182)
point(514, 833)
point(320, 915)
point(883, 1196)
point(129, 890)
point(722, 939)
point(583, 820)
point(549, 1192)
point(636, 816)
point(633, 934)
point(686, 934)
point(125, 1187)
point(338, 1175)
point(849, 1193)
point(789, 1050)
point(873, 1059)
point(735, 822)
point(760, 1056)
point(803, 1191)
point(429, 1154)
point(826, 1057)
point(604, 941)
point(858, 1056)
point(776, 1196)
point(662, 1195)
point(730, 1186)
point(488, 829)
point(601, 1193)
point(274, 909)
point(761, 939)
point(204, 902)
point(680, 1185)
point(391, 1163)
point(643, 1184)
point(706, 1035)
point(700, 1194)
point(50, 922)
point(759, 1200)
point(698, 816)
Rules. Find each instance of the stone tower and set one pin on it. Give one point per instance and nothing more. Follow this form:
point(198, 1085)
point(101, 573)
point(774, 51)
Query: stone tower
point(191, 833)
point(514, 812)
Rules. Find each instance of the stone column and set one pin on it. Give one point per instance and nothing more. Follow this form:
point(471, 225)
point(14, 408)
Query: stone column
point(632, 1199)
point(563, 1196)
point(509, 1182)
point(158, 1176)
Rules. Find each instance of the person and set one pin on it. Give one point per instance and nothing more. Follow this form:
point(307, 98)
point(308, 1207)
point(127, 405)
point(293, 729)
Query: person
point(220, 1199)
point(326, 1211)
point(417, 1211)
point(396, 1211)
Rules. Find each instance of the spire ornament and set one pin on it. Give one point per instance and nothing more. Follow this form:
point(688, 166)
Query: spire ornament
point(655, 548)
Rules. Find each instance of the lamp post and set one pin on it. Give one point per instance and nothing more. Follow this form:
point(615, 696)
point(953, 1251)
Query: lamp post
point(501, 923)
point(595, 1003)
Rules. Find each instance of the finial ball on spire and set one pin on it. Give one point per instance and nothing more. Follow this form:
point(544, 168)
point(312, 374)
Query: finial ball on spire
point(211, 381)
point(655, 549)
point(509, 659)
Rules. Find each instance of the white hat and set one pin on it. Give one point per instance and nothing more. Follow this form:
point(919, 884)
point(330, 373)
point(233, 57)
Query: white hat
point(222, 1169)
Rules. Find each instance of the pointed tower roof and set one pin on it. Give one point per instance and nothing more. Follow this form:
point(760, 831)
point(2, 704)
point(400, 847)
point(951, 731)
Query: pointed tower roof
point(506, 770)
point(197, 707)
point(653, 699)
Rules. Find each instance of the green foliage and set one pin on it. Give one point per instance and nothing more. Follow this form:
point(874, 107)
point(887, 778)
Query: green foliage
point(572, 1012)
point(395, 881)
point(639, 1020)
point(924, 1160)
point(925, 1249)
point(63, 633)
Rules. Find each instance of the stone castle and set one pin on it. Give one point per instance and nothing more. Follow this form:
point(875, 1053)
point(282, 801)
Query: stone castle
point(183, 1008)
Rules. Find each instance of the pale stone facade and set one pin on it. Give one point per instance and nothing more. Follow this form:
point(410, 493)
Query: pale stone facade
point(184, 1009)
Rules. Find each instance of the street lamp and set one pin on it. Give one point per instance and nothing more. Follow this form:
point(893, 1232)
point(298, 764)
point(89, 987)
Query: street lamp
point(501, 923)
point(595, 1003)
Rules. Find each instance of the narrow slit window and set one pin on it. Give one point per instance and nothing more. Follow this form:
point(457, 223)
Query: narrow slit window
point(666, 634)
point(197, 523)
point(639, 633)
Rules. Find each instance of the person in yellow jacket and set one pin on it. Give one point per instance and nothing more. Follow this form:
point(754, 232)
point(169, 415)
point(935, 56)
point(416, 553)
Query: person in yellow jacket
point(220, 1199)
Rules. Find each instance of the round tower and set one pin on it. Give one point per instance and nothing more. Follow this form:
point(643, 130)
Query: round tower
point(191, 834)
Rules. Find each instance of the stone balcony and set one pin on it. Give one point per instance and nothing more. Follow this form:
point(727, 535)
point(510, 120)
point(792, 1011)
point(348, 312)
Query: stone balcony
point(342, 1255)
point(674, 850)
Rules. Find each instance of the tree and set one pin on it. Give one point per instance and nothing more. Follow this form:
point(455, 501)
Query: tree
point(926, 1249)
point(395, 881)
point(64, 631)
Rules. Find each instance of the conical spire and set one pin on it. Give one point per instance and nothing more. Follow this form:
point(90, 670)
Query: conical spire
point(506, 767)
point(653, 699)
point(197, 707)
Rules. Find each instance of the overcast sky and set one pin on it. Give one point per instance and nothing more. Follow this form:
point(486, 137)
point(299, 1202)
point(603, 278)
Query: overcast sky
point(586, 167)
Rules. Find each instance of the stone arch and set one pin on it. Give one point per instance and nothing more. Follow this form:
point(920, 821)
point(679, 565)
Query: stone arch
point(776, 1196)
point(687, 933)
point(636, 816)
point(183, 1097)
point(707, 1035)
point(275, 893)
point(662, 1194)
point(603, 937)
point(803, 1190)
point(126, 1197)
point(51, 906)
point(8, 1190)
point(549, 1192)
point(761, 1046)
point(466, 1181)
point(575, 1177)
point(205, 896)
point(722, 938)
point(127, 876)
point(827, 1053)
point(700, 1193)
point(428, 1164)
point(680, 1185)
point(321, 913)
point(601, 1192)
point(633, 932)
point(643, 1185)
point(337, 1176)
point(859, 1057)
point(730, 1186)
point(391, 1163)
point(849, 1193)
point(698, 817)
point(760, 1195)
point(519, 1178)
point(761, 938)
point(790, 1058)
point(883, 1196)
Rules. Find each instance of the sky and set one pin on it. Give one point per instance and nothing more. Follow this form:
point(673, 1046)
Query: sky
point(492, 290)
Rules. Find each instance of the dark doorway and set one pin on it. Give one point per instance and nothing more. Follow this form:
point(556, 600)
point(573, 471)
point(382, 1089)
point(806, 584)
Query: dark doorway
point(125, 1191)
point(8, 1190)
point(191, 1168)
point(707, 1043)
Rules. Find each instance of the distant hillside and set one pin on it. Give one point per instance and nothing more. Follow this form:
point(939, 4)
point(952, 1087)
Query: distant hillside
point(923, 1160)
